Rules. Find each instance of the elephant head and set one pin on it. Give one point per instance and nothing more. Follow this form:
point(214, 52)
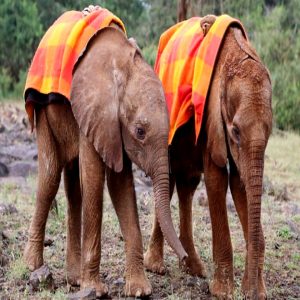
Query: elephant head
point(240, 120)
point(119, 105)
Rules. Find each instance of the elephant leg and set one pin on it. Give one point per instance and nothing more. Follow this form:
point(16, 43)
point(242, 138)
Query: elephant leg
point(216, 181)
point(92, 176)
point(240, 201)
point(121, 189)
point(49, 173)
point(73, 194)
point(186, 189)
point(154, 256)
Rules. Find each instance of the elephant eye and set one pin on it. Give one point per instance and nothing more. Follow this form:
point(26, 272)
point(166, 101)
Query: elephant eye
point(236, 135)
point(140, 133)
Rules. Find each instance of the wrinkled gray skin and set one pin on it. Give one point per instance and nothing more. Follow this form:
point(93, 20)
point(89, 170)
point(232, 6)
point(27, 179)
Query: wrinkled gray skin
point(119, 106)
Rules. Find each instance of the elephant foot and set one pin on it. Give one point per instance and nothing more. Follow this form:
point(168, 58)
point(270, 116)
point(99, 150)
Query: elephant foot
point(73, 278)
point(254, 295)
point(193, 266)
point(73, 271)
point(222, 288)
point(154, 262)
point(260, 294)
point(100, 287)
point(33, 255)
point(137, 285)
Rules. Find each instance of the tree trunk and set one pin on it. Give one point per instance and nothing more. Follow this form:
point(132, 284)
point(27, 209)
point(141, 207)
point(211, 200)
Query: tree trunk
point(182, 7)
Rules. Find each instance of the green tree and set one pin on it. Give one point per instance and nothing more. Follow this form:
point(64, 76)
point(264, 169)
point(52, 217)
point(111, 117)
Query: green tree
point(160, 15)
point(277, 41)
point(20, 31)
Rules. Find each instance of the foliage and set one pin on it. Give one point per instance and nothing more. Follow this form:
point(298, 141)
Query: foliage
point(276, 41)
point(5, 83)
point(285, 233)
point(18, 270)
point(20, 30)
point(160, 16)
point(272, 25)
point(149, 53)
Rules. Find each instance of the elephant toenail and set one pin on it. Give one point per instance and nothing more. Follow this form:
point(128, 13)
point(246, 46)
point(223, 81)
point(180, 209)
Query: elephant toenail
point(138, 293)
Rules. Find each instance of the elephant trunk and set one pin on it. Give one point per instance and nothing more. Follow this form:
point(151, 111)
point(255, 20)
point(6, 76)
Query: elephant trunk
point(254, 193)
point(161, 187)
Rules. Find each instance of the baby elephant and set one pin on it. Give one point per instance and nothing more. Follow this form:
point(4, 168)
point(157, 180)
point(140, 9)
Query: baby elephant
point(237, 122)
point(116, 115)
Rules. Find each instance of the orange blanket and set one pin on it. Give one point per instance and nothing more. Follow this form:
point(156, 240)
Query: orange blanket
point(60, 48)
point(184, 63)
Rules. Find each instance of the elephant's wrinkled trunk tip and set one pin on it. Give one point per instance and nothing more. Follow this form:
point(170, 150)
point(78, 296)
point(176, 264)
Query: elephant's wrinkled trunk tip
point(173, 240)
point(160, 179)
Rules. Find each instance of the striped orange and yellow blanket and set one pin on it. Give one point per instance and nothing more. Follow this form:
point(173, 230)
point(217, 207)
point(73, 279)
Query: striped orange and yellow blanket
point(185, 63)
point(60, 48)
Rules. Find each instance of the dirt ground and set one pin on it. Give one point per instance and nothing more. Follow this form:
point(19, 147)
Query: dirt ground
point(280, 217)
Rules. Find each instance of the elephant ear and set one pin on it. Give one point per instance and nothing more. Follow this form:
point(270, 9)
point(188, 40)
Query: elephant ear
point(247, 48)
point(96, 90)
point(133, 42)
point(216, 140)
point(244, 44)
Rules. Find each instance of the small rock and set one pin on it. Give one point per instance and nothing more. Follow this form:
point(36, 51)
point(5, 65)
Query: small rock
point(48, 242)
point(144, 209)
point(25, 122)
point(276, 246)
point(282, 194)
point(191, 282)
point(2, 128)
point(7, 209)
point(175, 285)
point(22, 168)
point(41, 277)
point(204, 286)
point(20, 151)
point(6, 235)
point(120, 281)
point(3, 170)
point(86, 294)
point(202, 198)
point(3, 260)
point(121, 238)
point(32, 154)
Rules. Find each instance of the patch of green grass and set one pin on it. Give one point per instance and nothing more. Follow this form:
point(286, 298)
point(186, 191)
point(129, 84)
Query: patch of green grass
point(57, 217)
point(296, 258)
point(292, 266)
point(47, 295)
point(239, 261)
point(18, 270)
point(296, 218)
point(282, 162)
point(285, 233)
